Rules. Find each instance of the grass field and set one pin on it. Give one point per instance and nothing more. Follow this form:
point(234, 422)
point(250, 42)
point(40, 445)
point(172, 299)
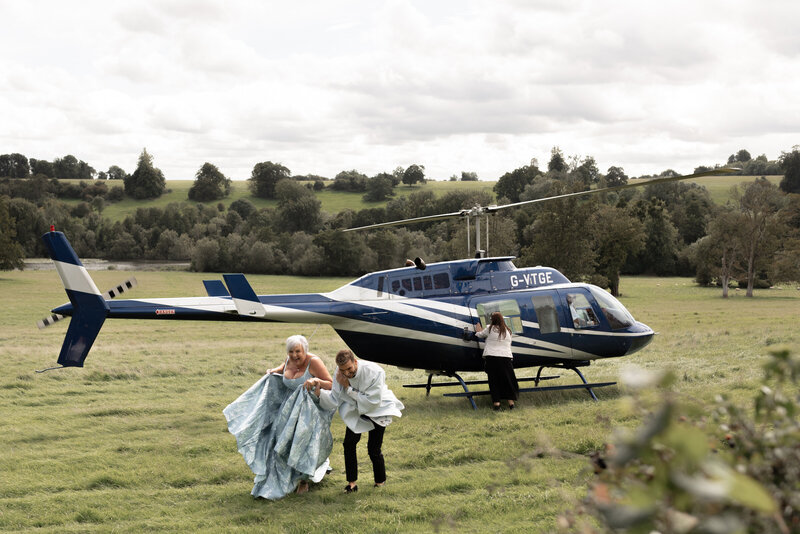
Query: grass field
point(719, 187)
point(136, 441)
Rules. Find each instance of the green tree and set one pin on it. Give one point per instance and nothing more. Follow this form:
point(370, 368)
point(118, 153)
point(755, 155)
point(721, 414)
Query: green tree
point(660, 252)
point(209, 184)
point(617, 236)
point(265, 177)
point(379, 188)
point(30, 223)
point(116, 173)
point(512, 184)
point(146, 181)
point(790, 164)
point(14, 166)
point(414, 174)
point(66, 167)
point(759, 202)
point(616, 176)
point(43, 167)
point(588, 172)
point(69, 167)
point(11, 252)
point(742, 156)
point(694, 468)
point(343, 253)
point(560, 239)
point(397, 175)
point(717, 256)
point(353, 181)
point(298, 207)
point(469, 176)
point(243, 207)
point(557, 162)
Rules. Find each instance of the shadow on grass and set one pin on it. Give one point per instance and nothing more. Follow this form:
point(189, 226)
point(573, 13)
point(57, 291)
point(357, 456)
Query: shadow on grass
point(436, 402)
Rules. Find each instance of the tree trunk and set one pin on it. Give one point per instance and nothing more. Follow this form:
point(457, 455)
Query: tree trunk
point(751, 275)
point(725, 274)
point(613, 285)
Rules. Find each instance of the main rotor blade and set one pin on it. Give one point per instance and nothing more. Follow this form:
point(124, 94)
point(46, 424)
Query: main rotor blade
point(415, 220)
point(715, 172)
point(480, 210)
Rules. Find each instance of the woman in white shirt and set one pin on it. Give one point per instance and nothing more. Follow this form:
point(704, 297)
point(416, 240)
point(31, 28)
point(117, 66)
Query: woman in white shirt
point(498, 360)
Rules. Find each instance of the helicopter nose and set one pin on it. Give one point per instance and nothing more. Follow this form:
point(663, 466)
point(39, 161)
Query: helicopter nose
point(642, 340)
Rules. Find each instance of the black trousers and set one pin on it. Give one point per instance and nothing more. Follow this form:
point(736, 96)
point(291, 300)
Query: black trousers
point(502, 380)
point(374, 444)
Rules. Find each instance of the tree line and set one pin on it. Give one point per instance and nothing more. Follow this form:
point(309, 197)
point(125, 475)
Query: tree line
point(667, 229)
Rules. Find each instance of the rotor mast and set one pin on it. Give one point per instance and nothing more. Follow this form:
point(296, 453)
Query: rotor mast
point(477, 212)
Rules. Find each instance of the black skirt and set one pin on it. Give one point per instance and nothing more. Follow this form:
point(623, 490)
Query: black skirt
point(502, 380)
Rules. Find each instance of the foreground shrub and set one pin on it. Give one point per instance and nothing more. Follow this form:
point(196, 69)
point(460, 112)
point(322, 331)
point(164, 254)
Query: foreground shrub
point(685, 470)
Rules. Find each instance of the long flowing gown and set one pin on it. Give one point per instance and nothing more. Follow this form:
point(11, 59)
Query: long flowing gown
point(282, 433)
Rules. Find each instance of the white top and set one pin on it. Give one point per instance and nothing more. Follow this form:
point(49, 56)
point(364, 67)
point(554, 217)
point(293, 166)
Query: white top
point(367, 396)
point(495, 346)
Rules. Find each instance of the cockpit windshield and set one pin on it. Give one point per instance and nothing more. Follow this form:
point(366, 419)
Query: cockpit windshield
point(618, 317)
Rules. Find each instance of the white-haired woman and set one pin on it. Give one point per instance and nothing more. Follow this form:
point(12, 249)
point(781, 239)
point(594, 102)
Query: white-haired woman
point(281, 431)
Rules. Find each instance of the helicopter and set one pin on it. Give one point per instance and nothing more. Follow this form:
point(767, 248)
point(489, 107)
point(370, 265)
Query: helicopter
point(416, 317)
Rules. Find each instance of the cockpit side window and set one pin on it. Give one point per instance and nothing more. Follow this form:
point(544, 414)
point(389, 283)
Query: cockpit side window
point(581, 313)
point(546, 314)
point(509, 309)
point(618, 317)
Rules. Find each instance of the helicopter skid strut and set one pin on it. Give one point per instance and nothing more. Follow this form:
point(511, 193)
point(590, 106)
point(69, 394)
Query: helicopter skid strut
point(538, 378)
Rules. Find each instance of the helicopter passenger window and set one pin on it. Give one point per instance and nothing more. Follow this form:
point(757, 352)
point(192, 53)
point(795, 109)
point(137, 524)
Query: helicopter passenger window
point(441, 281)
point(509, 309)
point(426, 280)
point(417, 283)
point(581, 311)
point(406, 284)
point(397, 289)
point(546, 314)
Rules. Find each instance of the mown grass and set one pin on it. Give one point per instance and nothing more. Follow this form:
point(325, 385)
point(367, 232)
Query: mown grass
point(136, 441)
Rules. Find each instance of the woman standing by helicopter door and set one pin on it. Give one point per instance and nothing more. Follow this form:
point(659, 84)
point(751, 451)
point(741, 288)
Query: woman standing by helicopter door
point(499, 361)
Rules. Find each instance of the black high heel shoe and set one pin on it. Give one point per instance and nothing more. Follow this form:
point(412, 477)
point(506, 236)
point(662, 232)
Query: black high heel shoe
point(351, 489)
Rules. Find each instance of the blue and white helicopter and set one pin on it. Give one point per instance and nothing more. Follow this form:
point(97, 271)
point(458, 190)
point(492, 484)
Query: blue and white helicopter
point(416, 317)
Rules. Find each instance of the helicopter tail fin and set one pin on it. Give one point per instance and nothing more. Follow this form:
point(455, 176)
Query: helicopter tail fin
point(89, 308)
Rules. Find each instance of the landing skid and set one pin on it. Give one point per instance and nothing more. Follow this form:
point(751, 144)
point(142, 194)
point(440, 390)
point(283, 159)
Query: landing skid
point(538, 378)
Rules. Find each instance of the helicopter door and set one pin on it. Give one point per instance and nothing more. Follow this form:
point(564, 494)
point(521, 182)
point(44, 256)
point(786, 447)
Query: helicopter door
point(549, 324)
point(582, 318)
point(482, 308)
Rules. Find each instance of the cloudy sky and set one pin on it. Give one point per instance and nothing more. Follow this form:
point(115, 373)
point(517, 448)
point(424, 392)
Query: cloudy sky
point(326, 86)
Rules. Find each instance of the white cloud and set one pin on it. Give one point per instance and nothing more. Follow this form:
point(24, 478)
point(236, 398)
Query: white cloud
point(469, 85)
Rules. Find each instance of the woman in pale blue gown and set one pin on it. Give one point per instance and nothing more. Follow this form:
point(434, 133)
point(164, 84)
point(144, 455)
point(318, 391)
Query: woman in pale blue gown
point(281, 431)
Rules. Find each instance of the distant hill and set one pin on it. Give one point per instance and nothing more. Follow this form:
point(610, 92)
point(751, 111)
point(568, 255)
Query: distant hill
point(336, 201)
point(332, 201)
